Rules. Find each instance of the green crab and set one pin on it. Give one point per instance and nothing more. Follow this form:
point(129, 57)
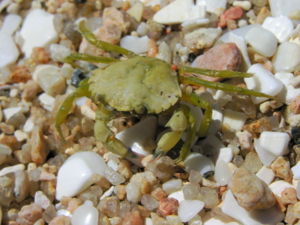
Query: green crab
point(145, 85)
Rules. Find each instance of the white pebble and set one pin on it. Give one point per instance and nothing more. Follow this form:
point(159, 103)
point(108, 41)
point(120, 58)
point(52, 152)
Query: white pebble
point(265, 157)
point(290, 91)
point(38, 30)
point(59, 52)
point(283, 7)
point(140, 137)
point(287, 57)
point(246, 5)
point(241, 44)
point(28, 126)
point(50, 79)
point(136, 44)
point(233, 120)
point(297, 186)
point(189, 208)
point(179, 11)
point(10, 112)
point(217, 119)
point(279, 186)
point(231, 208)
point(223, 173)
point(77, 173)
point(266, 174)
point(214, 6)
point(275, 142)
point(178, 195)
point(47, 101)
point(281, 26)
point(296, 171)
point(172, 185)
point(20, 135)
point(198, 162)
point(266, 44)
point(8, 49)
point(11, 169)
point(262, 81)
point(85, 214)
point(214, 221)
point(225, 154)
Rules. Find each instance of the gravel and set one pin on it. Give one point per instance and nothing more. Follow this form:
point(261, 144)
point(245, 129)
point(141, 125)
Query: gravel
point(245, 171)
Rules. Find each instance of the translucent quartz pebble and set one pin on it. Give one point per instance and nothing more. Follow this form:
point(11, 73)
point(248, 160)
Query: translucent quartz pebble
point(38, 30)
point(85, 214)
point(77, 173)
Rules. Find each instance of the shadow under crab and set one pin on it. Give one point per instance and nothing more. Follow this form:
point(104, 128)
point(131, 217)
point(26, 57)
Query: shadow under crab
point(144, 85)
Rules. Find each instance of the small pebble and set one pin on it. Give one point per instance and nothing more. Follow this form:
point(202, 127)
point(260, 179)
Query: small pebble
point(85, 214)
point(189, 208)
point(34, 33)
point(281, 26)
point(296, 171)
point(250, 191)
point(265, 45)
point(77, 173)
point(287, 57)
point(266, 174)
point(179, 11)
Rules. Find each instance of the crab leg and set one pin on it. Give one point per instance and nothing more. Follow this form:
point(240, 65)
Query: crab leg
point(221, 86)
point(177, 124)
point(198, 101)
point(89, 58)
point(66, 107)
point(91, 38)
point(104, 134)
point(191, 134)
point(213, 73)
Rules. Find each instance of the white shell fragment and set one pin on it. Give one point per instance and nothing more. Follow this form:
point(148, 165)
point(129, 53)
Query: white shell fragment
point(38, 30)
point(189, 208)
point(85, 214)
point(268, 217)
point(198, 162)
point(287, 58)
point(265, 157)
point(223, 172)
point(262, 81)
point(140, 137)
point(8, 49)
point(136, 44)
point(179, 11)
point(296, 171)
point(77, 173)
point(178, 195)
point(266, 44)
point(281, 26)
